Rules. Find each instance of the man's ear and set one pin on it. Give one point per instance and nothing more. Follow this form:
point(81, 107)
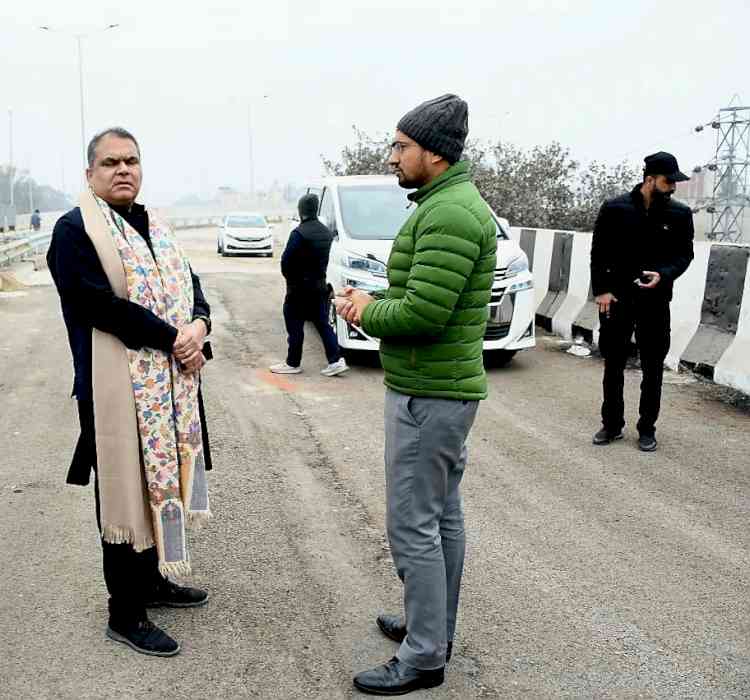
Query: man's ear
point(435, 158)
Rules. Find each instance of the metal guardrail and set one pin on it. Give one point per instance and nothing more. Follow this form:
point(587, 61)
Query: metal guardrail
point(179, 222)
point(21, 248)
point(18, 250)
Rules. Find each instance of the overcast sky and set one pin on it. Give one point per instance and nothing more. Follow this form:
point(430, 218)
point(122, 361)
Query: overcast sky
point(609, 80)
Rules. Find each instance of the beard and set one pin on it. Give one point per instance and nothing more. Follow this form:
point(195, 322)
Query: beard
point(408, 182)
point(659, 197)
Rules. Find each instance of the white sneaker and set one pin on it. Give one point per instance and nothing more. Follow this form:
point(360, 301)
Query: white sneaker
point(284, 368)
point(335, 368)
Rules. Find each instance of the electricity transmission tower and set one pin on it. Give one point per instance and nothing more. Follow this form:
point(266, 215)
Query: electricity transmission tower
point(730, 167)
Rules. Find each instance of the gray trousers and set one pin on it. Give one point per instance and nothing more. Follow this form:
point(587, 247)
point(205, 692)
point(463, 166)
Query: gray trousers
point(425, 456)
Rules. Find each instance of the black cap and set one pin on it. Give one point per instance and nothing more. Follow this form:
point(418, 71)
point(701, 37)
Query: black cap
point(440, 126)
point(663, 163)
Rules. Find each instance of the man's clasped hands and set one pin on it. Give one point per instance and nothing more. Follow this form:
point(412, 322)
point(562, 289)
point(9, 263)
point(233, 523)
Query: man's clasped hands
point(188, 346)
point(351, 304)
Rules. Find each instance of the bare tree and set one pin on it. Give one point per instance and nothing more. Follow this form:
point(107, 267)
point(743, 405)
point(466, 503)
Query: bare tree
point(543, 187)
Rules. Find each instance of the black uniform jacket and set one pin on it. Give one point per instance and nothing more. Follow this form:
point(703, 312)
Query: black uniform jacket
point(87, 302)
point(628, 239)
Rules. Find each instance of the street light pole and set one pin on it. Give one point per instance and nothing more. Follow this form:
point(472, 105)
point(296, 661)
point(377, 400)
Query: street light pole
point(79, 41)
point(251, 154)
point(80, 89)
point(10, 152)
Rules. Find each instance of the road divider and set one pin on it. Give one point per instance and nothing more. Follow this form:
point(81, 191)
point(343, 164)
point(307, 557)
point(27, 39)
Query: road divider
point(710, 310)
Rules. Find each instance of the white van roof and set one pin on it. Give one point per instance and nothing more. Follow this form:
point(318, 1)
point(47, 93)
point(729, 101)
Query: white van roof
point(356, 180)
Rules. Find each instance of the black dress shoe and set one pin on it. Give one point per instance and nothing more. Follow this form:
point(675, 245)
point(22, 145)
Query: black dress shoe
point(145, 637)
point(396, 678)
point(170, 595)
point(647, 443)
point(393, 627)
point(604, 436)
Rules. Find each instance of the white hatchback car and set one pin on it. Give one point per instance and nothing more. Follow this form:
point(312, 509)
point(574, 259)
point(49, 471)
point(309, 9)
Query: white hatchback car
point(245, 232)
point(365, 212)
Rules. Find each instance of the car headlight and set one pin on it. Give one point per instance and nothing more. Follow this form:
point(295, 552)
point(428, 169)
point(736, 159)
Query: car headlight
point(362, 264)
point(365, 286)
point(518, 265)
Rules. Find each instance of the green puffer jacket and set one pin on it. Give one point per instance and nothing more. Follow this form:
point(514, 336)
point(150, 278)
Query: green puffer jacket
point(440, 271)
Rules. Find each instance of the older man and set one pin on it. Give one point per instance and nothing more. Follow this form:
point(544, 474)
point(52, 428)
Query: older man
point(431, 325)
point(137, 320)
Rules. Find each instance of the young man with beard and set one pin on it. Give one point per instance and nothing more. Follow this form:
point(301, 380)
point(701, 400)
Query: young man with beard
point(431, 325)
point(643, 241)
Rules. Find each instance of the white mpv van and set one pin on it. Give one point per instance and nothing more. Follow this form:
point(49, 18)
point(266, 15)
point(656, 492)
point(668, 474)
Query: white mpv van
point(365, 212)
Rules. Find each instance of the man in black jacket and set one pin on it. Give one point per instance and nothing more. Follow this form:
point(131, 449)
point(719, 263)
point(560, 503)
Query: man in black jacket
point(643, 241)
point(88, 302)
point(304, 264)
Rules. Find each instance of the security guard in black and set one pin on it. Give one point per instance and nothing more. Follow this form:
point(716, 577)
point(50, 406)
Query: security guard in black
point(643, 241)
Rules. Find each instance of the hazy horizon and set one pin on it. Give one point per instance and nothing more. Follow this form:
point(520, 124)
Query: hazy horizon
point(610, 83)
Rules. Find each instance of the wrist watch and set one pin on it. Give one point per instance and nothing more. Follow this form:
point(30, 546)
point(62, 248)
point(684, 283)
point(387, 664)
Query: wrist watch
point(205, 320)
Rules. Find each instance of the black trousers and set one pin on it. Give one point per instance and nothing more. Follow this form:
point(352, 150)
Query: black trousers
point(313, 306)
point(649, 317)
point(130, 576)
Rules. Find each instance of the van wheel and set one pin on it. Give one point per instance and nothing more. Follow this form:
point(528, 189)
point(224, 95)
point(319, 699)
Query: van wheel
point(498, 358)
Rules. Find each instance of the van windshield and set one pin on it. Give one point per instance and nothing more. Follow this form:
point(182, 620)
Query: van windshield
point(374, 212)
point(246, 222)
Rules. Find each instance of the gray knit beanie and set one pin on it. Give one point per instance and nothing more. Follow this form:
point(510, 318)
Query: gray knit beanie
point(440, 126)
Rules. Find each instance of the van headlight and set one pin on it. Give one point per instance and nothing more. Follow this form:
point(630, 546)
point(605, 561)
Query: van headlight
point(359, 263)
point(518, 265)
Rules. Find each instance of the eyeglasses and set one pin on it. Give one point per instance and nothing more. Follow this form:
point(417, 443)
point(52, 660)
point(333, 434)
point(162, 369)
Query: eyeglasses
point(400, 146)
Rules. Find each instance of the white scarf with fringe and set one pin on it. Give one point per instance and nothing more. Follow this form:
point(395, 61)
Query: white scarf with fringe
point(149, 447)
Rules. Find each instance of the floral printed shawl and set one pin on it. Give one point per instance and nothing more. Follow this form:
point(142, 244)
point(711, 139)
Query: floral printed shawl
point(151, 470)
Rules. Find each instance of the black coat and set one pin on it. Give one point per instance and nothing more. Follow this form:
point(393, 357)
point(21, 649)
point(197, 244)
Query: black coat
point(305, 258)
point(628, 239)
point(88, 301)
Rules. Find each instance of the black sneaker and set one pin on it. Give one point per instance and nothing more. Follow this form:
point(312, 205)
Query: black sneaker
point(647, 443)
point(396, 678)
point(170, 595)
point(604, 436)
point(145, 638)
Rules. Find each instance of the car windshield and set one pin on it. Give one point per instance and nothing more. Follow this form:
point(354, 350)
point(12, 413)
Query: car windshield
point(246, 222)
point(374, 212)
point(379, 212)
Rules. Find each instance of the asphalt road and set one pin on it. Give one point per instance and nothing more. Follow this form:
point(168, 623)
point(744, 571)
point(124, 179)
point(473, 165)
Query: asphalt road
point(591, 572)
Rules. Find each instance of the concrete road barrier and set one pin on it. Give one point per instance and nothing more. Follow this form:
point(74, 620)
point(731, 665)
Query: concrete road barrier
point(577, 291)
point(586, 323)
point(720, 312)
point(559, 279)
point(685, 309)
point(710, 309)
point(732, 367)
